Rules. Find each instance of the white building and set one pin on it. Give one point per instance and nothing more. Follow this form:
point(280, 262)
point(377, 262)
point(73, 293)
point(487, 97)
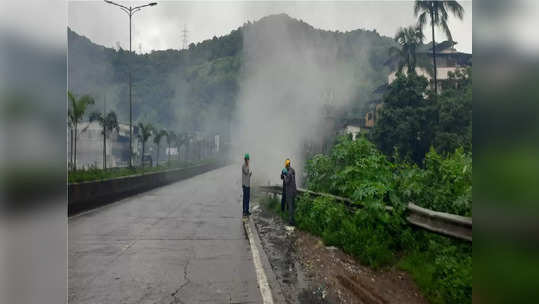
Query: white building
point(90, 146)
point(448, 59)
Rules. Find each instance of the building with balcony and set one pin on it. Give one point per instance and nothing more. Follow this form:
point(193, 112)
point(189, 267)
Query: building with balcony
point(448, 60)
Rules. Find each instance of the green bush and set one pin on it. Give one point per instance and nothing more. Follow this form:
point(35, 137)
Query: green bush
point(357, 170)
point(442, 267)
point(445, 184)
point(368, 234)
point(354, 169)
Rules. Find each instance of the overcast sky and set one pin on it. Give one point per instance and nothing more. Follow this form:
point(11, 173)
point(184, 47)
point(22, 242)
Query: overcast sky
point(160, 27)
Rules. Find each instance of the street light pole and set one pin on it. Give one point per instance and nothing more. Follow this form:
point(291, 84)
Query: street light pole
point(130, 11)
point(130, 99)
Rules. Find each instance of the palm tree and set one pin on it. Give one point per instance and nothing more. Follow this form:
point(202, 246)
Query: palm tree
point(409, 39)
point(70, 126)
point(76, 110)
point(109, 123)
point(437, 12)
point(171, 138)
point(144, 133)
point(181, 139)
point(157, 140)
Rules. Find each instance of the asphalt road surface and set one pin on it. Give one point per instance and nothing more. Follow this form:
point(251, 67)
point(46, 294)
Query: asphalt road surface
point(181, 243)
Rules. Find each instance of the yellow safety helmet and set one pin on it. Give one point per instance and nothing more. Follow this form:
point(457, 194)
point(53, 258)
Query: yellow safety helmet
point(287, 162)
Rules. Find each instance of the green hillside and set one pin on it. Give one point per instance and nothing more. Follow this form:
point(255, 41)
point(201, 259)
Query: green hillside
point(188, 89)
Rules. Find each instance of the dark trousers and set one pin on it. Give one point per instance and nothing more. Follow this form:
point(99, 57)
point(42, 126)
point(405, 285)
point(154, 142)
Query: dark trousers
point(283, 201)
point(291, 200)
point(246, 196)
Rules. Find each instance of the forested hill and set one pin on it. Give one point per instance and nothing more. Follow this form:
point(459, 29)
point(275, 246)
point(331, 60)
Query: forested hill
point(188, 89)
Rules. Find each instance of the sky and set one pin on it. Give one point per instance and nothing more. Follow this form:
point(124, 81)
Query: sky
point(160, 27)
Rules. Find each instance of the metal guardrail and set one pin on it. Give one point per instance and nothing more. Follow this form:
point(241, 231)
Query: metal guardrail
point(439, 222)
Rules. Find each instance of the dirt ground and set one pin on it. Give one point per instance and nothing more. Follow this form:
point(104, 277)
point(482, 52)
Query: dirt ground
point(310, 272)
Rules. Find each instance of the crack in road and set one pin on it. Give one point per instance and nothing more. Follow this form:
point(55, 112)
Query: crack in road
point(187, 282)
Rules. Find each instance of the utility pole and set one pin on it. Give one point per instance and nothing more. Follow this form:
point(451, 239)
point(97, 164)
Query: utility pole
point(104, 132)
point(130, 11)
point(184, 37)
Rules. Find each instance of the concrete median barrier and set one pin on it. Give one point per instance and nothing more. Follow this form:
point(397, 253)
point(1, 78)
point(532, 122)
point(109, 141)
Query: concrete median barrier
point(87, 195)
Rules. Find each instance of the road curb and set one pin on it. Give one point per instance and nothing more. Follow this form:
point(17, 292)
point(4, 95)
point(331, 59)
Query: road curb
point(252, 234)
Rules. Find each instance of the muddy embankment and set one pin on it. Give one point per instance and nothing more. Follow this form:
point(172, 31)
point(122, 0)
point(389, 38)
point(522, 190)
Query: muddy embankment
point(310, 272)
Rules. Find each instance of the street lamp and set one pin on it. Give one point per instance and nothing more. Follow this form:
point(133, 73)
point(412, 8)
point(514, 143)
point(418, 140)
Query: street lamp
point(130, 11)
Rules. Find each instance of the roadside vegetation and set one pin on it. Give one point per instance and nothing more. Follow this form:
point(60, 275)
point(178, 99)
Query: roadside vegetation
point(109, 124)
point(95, 174)
point(412, 121)
point(76, 109)
point(420, 152)
point(442, 267)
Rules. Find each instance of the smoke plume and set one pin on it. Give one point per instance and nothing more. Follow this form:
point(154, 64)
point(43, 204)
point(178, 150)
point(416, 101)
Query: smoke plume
point(288, 79)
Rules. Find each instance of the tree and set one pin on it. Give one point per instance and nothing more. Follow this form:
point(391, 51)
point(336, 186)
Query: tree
point(407, 120)
point(412, 122)
point(171, 138)
point(70, 126)
point(182, 139)
point(76, 109)
point(157, 140)
point(454, 128)
point(409, 39)
point(109, 123)
point(144, 133)
point(437, 12)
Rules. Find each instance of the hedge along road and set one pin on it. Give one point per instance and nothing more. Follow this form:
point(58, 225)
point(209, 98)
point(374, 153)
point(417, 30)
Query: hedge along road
point(181, 243)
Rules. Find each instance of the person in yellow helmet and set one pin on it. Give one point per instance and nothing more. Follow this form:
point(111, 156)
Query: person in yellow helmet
point(283, 195)
point(291, 191)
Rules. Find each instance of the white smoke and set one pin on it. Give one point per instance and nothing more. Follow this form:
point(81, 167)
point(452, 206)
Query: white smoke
point(290, 74)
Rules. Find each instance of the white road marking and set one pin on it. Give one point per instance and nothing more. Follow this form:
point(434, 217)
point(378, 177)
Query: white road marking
point(265, 290)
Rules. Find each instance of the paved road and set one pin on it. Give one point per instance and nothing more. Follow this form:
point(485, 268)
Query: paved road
point(182, 243)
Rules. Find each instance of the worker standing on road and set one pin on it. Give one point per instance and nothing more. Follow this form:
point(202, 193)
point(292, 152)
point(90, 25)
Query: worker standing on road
point(283, 196)
point(290, 188)
point(246, 184)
